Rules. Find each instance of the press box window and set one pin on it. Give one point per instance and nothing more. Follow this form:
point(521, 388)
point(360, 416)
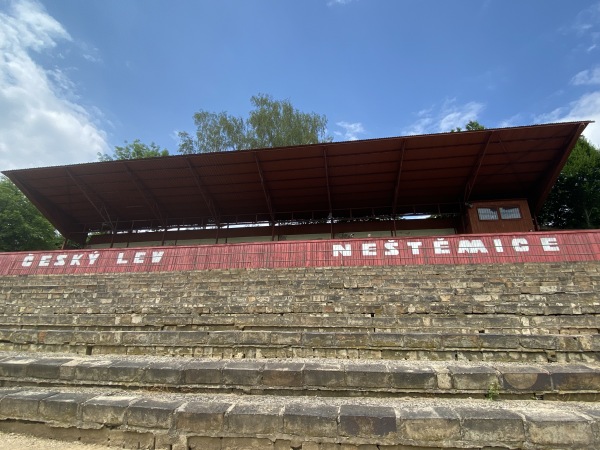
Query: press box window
point(504, 213)
point(487, 213)
point(510, 213)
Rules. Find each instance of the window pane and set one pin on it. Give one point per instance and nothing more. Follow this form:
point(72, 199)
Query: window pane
point(510, 213)
point(487, 213)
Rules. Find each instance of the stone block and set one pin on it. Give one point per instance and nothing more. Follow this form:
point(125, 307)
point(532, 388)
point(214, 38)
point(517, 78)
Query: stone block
point(558, 428)
point(538, 342)
point(284, 374)
point(473, 378)
point(203, 372)
point(422, 341)
point(386, 340)
point(15, 367)
point(201, 417)
point(367, 375)
point(460, 341)
point(428, 424)
point(327, 375)
point(286, 338)
point(92, 370)
point(22, 404)
point(303, 419)
point(161, 373)
point(366, 421)
point(243, 373)
point(63, 408)
point(575, 378)
point(219, 338)
point(150, 413)
point(255, 419)
point(407, 377)
point(352, 340)
point(126, 371)
point(499, 341)
point(485, 426)
point(318, 340)
point(46, 368)
point(246, 443)
point(203, 443)
point(107, 410)
point(525, 378)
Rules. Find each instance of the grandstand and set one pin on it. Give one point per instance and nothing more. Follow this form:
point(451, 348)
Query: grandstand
point(428, 313)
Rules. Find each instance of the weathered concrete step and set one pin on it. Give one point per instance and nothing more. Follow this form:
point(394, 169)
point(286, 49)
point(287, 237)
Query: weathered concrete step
point(390, 303)
point(308, 377)
point(283, 344)
point(202, 421)
point(463, 323)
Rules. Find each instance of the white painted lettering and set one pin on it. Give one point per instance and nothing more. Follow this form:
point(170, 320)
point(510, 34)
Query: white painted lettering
point(474, 246)
point(498, 246)
point(520, 245)
point(138, 258)
point(76, 260)
point(414, 247)
point(343, 250)
point(368, 249)
point(441, 246)
point(28, 261)
point(550, 244)
point(157, 256)
point(93, 257)
point(60, 260)
point(45, 261)
point(391, 248)
point(120, 259)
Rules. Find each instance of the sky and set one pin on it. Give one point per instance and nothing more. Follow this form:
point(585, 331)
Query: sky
point(78, 78)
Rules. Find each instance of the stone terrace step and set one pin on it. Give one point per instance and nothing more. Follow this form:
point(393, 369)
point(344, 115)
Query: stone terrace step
point(204, 421)
point(307, 377)
point(281, 344)
point(401, 323)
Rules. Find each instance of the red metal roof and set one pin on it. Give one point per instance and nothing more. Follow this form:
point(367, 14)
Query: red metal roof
point(380, 177)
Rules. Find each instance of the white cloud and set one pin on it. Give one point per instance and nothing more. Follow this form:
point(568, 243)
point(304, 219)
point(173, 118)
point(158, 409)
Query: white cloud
point(444, 118)
point(42, 121)
point(587, 107)
point(338, 2)
point(351, 131)
point(587, 27)
point(587, 77)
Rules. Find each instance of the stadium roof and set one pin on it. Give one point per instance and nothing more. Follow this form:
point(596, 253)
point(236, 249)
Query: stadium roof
point(386, 177)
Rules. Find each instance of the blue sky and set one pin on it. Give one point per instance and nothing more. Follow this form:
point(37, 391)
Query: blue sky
point(79, 77)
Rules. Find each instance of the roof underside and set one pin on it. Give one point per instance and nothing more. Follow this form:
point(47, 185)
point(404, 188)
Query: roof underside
point(382, 177)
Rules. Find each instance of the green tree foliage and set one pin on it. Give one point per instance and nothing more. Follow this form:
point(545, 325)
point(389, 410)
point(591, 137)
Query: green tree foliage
point(574, 202)
point(22, 227)
point(272, 123)
point(134, 150)
point(472, 125)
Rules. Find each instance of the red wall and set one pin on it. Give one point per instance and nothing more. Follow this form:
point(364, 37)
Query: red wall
point(455, 249)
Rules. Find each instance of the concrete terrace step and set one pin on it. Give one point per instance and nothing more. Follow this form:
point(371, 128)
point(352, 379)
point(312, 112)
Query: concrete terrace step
point(457, 323)
point(204, 421)
point(307, 377)
point(282, 344)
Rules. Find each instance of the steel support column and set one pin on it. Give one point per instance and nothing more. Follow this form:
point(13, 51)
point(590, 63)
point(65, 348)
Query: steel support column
point(265, 188)
point(471, 180)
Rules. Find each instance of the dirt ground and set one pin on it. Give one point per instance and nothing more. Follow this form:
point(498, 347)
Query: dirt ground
point(11, 441)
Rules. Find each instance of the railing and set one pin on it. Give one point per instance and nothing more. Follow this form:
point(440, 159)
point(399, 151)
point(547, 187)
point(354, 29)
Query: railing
point(539, 247)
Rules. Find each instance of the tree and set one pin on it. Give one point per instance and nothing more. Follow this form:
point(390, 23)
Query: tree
point(272, 123)
point(574, 201)
point(22, 227)
point(472, 125)
point(134, 150)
